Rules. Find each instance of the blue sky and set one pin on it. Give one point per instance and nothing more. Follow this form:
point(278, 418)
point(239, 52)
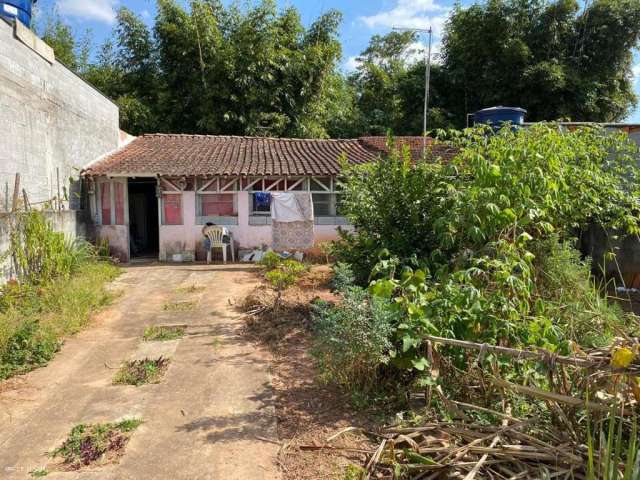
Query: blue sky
point(362, 18)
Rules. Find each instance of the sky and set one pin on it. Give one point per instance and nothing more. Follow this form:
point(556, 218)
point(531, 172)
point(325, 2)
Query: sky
point(362, 19)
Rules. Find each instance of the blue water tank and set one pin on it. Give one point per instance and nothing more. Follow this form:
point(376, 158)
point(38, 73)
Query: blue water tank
point(496, 116)
point(20, 9)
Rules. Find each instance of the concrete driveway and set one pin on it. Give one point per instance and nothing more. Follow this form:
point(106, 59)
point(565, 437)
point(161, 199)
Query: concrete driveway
point(212, 415)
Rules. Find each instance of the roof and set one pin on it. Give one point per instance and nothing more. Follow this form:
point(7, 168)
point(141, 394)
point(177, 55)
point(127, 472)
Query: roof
point(209, 155)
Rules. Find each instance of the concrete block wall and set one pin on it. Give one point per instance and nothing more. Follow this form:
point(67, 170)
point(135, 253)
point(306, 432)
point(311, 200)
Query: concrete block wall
point(50, 120)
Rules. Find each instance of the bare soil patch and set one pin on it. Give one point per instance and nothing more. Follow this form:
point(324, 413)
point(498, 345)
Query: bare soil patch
point(308, 412)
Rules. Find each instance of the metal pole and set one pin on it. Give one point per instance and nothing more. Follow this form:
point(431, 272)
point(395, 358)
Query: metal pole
point(427, 81)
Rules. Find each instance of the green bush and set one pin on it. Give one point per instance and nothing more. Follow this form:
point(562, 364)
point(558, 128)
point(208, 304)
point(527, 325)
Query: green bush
point(270, 260)
point(284, 275)
point(343, 277)
point(352, 340)
point(476, 249)
point(41, 254)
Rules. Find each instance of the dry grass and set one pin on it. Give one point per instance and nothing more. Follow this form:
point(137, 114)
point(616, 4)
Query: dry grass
point(308, 412)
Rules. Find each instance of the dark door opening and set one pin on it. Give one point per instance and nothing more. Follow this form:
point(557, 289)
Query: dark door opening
point(143, 218)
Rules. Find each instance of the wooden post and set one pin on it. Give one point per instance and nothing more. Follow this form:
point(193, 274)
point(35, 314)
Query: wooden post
point(58, 179)
point(26, 200)
point(16, 193)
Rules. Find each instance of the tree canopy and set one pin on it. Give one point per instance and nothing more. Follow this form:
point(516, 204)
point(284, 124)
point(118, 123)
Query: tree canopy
point(257, 70)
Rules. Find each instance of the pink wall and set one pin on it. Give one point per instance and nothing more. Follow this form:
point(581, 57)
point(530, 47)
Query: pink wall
point(188, 237)
point(118, 238)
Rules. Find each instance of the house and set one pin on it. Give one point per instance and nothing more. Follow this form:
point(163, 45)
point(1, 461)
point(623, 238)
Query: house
point(153, 196)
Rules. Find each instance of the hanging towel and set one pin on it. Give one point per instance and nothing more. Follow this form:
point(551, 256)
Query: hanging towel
point(291, 207)
point(263, 199)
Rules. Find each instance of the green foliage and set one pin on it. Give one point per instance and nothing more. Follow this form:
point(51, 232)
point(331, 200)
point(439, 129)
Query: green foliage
point(162, 333)
point(271, 260)
point(614, 443)
point(141, 372)
point(280, 280)
point(255, 69)
point(526, 53)
point(90, 443)
point(41, 254)
point(479, 248)
point(352, 340)
point(34, 320)
point(343, 277)
point(284, 274)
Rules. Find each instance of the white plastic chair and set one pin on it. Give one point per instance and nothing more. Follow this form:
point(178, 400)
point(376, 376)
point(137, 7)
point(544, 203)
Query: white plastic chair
point(216, 237)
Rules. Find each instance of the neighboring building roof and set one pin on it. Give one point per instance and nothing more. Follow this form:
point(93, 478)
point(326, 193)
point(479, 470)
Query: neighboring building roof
point(177, 155)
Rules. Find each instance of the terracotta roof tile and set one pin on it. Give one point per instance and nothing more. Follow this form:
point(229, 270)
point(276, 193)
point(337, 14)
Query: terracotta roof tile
point(177, 155)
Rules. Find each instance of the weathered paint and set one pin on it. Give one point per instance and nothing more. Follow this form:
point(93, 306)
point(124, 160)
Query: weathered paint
point(188, 237)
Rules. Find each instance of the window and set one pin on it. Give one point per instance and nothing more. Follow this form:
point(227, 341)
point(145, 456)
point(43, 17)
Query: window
point(324, 204)
point(105, 203)
point(172, 209)
point(260, 203)
point(218, 205)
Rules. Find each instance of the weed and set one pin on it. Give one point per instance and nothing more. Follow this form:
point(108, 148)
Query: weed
point(179, 306)
point(90, 443)
point(343, 277)
point(270, 260)
point(34, 320)
point(39, 472)
point(352, 340)
point(141, 372)
point(190, 289)
point(160, 333)
point(353, 472)
point(216, 343)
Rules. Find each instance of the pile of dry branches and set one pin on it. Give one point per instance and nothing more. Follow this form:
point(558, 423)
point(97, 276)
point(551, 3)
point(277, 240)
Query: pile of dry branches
point(468, 451)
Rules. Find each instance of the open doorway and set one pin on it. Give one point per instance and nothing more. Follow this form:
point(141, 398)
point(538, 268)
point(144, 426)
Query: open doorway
point(143, 218)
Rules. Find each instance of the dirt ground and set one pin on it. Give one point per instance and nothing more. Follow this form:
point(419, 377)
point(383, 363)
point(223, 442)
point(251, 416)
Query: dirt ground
point(211, 417)
point(309, 412)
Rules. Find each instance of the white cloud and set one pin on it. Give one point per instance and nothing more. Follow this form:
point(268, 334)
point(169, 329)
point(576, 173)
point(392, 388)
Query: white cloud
point(410, 14)
point(636, 72)
point(96, 10)
point(350, 64)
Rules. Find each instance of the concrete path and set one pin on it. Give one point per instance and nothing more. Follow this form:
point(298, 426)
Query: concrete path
point(210, 418)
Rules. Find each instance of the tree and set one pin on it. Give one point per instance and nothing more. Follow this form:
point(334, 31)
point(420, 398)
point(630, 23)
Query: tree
point(73, 53)
point(549, 57)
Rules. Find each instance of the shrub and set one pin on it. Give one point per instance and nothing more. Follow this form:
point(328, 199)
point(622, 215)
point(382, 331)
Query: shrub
point(352, 340)
point(270, 260)
point(343, 277)
point(280, 280)
point(41, 254)
point(283, 275)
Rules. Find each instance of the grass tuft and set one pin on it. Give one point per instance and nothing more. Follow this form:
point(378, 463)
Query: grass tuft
point(141, 372)
point(179, 306)
point(190, 289)
point(91, 443)
point(155, 333)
